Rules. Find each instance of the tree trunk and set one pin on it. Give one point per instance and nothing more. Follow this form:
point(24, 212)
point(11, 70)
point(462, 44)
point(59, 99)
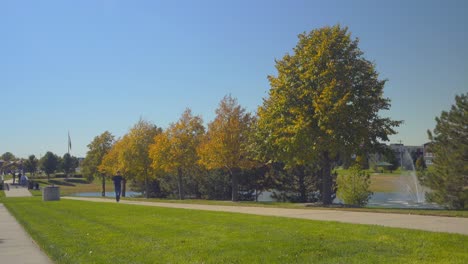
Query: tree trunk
point(103, 186)
point(326, 180)
point(146, 187)
point(235, 184)
point(197, 193)
point(302, 186)
point(179, 183)
point(124, 187)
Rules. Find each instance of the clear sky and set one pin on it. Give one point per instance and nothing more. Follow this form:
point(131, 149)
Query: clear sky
point(96, 65)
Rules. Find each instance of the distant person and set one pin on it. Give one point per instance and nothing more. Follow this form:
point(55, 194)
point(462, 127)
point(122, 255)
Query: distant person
point(117, 185)
point(21, 178)
point(25, 179)
point(14, 177)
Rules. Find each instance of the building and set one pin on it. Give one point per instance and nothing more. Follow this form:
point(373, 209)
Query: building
point(428, 154)
point(400, 151)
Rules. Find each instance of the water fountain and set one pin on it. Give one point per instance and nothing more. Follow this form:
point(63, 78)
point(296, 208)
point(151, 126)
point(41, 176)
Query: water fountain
point(408, 192)
point(409, 183)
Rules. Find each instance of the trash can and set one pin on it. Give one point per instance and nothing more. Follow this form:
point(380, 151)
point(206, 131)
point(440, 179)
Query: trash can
point(51, 193)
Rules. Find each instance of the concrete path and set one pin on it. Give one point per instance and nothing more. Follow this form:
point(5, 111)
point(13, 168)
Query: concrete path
point(428, 223)
point(16, 246)
point(16, 190)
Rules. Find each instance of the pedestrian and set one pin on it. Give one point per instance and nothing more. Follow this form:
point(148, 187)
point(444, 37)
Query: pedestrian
point(14, 177)
point(22, 179)
point(117, 185)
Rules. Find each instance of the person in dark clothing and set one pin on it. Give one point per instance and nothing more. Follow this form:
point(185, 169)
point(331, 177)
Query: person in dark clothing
point(117, 185)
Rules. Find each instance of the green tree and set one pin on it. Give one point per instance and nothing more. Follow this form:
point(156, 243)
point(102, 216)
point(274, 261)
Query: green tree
point(353, 186)
point(49, 163)
point(175, 150)
point(8, 156)
point(420, 165)
point(390, 157)
point(448, 176)
point(69, 163)
point(98, 148)
point(323, 103)
point(31, 164)
point(225, 145)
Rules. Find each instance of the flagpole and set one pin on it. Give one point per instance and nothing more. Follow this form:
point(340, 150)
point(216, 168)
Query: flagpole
point(69, 143)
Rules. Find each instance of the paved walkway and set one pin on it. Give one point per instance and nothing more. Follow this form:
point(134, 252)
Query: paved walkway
point(16, 190)
point(427, 223)
point(16, 246)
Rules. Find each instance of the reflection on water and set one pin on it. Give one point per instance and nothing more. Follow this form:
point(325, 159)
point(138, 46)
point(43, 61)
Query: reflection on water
point(395, 200)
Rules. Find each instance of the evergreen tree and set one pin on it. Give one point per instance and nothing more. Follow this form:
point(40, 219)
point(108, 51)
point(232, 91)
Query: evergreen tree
point(448, 176)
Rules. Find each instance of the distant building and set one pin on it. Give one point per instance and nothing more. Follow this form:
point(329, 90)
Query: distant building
point(400, 150)
point(428, 154)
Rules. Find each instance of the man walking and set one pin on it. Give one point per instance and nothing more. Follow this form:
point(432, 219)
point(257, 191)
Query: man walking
point(117, 185)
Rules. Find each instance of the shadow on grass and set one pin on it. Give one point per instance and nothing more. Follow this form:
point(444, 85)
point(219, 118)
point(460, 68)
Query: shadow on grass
point(55, 182)
point(80, 181)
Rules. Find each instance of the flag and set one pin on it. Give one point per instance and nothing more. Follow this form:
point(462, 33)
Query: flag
point(69, 142)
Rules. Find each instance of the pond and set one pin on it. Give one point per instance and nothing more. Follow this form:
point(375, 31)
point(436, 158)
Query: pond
point(398, 200)
point(395, 200)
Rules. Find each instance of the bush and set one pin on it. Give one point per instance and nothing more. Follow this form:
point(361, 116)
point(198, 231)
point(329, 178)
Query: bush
point(353, 186)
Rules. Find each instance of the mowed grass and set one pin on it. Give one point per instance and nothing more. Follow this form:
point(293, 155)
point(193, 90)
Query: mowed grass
point(415, 211)
point(384, 182)
point(381, 182)
point(86, 232)
point(73, 185)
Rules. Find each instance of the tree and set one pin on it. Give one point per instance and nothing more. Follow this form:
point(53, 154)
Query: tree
point(323, 103)
point(226, 141)
point(448, 176)
point(8, 156)
point(391, 158)
point(49, 163)
point(420, 165)
point(174, 150)
point(69, 163)
point(137, 161)
point(353, 186)
point(31, 164)
point(98, 148)
point(114, 160)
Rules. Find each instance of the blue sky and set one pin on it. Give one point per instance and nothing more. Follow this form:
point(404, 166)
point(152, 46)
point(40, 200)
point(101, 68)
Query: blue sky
point(91, 66)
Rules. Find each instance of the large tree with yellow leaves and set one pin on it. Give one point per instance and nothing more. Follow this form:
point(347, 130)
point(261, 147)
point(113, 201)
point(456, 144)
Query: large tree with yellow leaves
point(225, 145)
point(175, 150)
point(324, 102)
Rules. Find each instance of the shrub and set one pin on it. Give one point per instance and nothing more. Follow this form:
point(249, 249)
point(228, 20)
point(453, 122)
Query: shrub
point(353, 186)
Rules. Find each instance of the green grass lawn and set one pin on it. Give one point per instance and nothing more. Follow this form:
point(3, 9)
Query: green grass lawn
point(415, 211)
point(85, 232)
point(73, 185)
point(381, 182)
